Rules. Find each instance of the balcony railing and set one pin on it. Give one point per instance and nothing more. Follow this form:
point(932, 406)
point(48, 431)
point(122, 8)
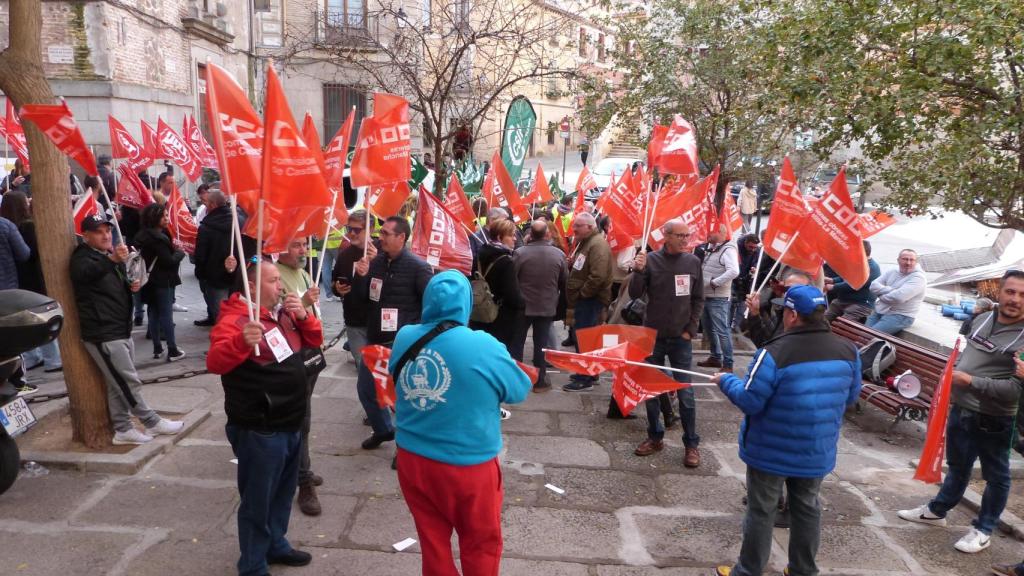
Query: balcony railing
point(336, 27)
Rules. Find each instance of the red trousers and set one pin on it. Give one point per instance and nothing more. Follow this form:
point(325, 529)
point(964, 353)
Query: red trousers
point(467, 499)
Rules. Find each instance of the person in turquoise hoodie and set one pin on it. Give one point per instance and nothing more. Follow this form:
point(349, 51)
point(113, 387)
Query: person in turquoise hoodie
point(448, 429)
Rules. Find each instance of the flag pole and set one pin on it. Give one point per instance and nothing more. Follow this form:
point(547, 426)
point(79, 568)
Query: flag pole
point(650, 222)
point(369, 223)
point(117, 226)
point(259, 262)
point(327, 232)
point(753, 281)
point(646, 365)
point(776, 265)
point(237, 232)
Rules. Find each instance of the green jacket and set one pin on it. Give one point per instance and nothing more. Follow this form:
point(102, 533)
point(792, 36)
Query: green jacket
point(590, 271)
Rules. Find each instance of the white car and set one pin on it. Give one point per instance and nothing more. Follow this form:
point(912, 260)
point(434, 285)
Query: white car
point(608, 171)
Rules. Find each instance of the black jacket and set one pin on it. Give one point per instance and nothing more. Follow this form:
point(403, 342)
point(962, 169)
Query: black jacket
point(402, 282)
point(353, 305)
point(496, 260)
point(213, 244)
point(156, 246)
point(102, 294)
point(30, 272)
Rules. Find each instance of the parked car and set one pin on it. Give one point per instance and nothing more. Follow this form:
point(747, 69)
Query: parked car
point(606, 172)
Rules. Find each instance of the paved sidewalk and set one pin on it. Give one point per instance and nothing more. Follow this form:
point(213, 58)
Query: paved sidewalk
point(620, 515)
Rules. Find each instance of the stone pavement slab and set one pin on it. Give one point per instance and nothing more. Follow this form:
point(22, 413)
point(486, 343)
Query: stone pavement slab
point(543, 533)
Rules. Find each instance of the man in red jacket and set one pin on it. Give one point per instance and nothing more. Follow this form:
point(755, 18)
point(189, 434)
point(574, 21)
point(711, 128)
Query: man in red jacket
point(265, 402)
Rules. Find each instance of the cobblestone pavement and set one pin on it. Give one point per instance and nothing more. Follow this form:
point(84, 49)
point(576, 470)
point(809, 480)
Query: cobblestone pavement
point(620, 515)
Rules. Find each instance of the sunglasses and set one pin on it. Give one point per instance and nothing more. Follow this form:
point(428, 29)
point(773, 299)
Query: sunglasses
point(353, 230)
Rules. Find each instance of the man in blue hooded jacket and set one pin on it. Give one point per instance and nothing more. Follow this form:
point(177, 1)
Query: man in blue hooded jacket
point(449, 429)
point(796, 391)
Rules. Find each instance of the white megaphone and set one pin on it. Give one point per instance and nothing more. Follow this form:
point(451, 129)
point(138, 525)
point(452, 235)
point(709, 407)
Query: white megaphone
point(907, 385)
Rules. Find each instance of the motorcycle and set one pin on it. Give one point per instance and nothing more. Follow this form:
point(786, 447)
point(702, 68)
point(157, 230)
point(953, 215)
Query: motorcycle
point(27, 321)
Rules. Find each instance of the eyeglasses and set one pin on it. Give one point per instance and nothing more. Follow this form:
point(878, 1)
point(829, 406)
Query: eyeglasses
point(353, 230)
point(680, 234)
point(384, 232)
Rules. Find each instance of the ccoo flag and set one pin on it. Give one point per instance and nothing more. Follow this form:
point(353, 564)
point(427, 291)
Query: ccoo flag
point(57, 122)
point(439, 238)
point(122, 145)
point(237, 133)
point(833, 229)
point(383, 144)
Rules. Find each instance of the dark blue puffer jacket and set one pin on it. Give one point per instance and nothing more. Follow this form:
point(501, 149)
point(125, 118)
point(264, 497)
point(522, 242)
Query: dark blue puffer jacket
point(797, 389)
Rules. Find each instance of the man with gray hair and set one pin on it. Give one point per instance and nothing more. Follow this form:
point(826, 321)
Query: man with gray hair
point(673, 282)
point(899, 295)
point(589, 287)
point(213, 246)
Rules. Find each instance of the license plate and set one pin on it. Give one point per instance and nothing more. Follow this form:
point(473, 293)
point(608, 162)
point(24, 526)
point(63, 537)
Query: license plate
point(16, 417)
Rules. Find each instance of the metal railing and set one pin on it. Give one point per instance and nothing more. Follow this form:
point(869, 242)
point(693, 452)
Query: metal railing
point(336, 27)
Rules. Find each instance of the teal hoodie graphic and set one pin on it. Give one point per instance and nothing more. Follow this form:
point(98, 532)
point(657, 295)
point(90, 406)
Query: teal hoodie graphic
point(449, 394)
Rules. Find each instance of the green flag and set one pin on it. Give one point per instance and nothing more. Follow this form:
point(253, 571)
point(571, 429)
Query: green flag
point(556, 190)
point(520, 121)
point(421, 175)
point(471, 178)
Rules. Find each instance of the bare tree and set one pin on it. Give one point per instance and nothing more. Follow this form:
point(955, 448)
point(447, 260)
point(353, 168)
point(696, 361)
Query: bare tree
point(23, 81)
point(453, 60)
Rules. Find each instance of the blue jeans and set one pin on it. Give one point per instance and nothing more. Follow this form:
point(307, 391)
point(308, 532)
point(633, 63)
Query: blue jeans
point(380, 418)
point(268, 472)
point(889, 323)
point(138, 305)
point(48, 354)
point(763, 493)
point(586, 314)
point(970, 436)
point(213, 297)
point(541, 339)
point(680, 355)
point(716, 318)
point(356, 342)
point(161, 319)
point(325, 280)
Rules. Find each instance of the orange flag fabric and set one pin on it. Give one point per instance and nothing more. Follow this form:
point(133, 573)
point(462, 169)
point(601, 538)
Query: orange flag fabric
point(678, 154)
point(173, 147)
point(789, 212)
point(291, 174)
point(383, 144)
point(874, 222)
point(540, 191)
point(439, 238)
point(608, 335)
point(585, 183)
point(131, 191)
point(237, 133)
point(376, 358)
point(690, 204)
point(731, 217)
point(149, 140)
point(655, 144)
point(636, 384)
point(58, 124)
point(15, 134)
point(123, 146)
point(85, 207)
point(337, 152)
point(500, 190)
point(197, 143)
point(182, 227)
point(832, 228)
point(385, 200)
point(457, 203)
point(929, 467)
point(622, 203)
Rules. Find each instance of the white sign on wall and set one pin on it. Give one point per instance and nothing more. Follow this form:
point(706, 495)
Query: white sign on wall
point(60, 54)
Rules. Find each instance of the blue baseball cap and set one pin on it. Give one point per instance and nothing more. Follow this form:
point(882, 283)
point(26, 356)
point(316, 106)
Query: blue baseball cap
point(803, 299)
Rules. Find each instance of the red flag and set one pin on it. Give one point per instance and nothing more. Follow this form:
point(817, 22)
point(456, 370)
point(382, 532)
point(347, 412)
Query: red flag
point(149, 147)
point(832, 229)
point(312, 140)
point(122, 145)
point(730, 217)
point(636, 384)
point(291, 175)
point(532, 373)
point(622, 203)
point(789, 212)
point(929, 467)
point(439, 238)
point(690, 203)
point(172, 147)
point(678, 154)
point(337, 152)
point(197, 143)
point(237, 133)
point(280, 227)
point(182, 227)
point(874, 222)
point(540, 191)
point(655, 144)
point(376, 358)
point(585, 183)
point(590, 364)
point(382, 147)
point(456, 202)
point(57, 122)
point(85, 207)
point(609, 335)
point(15, 134)
point(500, 190)
point(386, 200)
point(131, 192)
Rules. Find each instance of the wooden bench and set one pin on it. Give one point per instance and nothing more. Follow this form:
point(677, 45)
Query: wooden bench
point(925, 364)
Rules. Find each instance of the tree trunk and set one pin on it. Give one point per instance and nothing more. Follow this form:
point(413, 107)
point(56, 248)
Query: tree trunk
point(22, 80)
point(440, 170)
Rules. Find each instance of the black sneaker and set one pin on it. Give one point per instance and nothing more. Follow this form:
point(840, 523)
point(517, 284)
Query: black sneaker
point(138, 321)
point(293, 558)
point(568, 342)
point(374, 442)
point(205, 322)
point(175, 355)
point(578, 386)
point(157, 354)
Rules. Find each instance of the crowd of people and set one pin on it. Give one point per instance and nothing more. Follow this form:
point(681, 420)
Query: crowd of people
point(454, 341)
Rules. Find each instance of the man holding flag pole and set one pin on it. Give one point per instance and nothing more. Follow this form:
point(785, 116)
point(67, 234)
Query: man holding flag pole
point(984, 393)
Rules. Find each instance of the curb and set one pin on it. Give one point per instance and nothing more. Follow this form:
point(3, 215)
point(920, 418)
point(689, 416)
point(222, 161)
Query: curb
point(128, 463)
point(1016, 471)
point(1008, 521)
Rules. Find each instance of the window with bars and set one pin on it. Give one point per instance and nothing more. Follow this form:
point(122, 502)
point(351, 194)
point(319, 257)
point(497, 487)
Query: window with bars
point(338, 100)
point(204, 123)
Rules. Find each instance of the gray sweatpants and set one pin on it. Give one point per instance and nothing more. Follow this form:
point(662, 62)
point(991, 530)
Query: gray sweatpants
point(116, 360)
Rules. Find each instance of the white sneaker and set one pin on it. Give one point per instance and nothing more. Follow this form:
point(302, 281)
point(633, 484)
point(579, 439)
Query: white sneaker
point(179, 308)
point(973, 542)
point(166, 427)
point(923, 515)
point(131, 436)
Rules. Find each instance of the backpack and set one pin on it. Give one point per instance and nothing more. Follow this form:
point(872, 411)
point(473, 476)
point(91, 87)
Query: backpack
point(876, 357)
point(634, 311)
point(485, 309)
point(136, 269)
